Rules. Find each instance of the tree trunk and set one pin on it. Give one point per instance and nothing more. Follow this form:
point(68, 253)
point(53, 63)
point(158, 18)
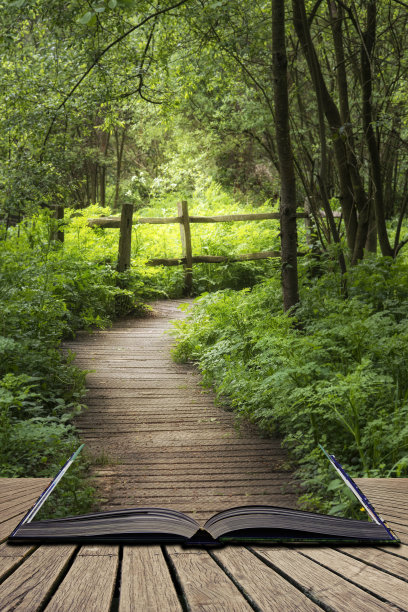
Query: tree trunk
point(373, 150)
point(333, 118)
point(120, 143)
point(102, 175)
point(360, 197)
point(287, 174)
point(371, 244)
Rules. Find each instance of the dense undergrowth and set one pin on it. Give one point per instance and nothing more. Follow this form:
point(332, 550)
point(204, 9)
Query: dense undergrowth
point(334, 373)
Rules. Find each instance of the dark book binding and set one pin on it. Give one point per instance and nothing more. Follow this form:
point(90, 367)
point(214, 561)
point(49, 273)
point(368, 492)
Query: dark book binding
point(240, 525)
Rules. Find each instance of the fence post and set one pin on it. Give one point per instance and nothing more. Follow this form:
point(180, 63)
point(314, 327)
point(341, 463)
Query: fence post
point(125, 238)
point(185, 234)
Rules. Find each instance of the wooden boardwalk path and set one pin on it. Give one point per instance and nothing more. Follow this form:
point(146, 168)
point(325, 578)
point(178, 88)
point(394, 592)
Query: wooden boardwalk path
point(166, 442)
point(169, 445)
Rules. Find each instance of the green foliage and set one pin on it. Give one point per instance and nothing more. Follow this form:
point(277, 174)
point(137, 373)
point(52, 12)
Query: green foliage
point(47, 293)
point(228, 239)
point(341, 379)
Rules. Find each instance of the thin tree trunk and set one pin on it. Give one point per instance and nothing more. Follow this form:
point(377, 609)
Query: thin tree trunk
point(322, 177)
point(287, 174)
point(120, 143)
point(333, 118)
point(368, 41)
point(336, 21)
point(102, 176)
point(371, 244)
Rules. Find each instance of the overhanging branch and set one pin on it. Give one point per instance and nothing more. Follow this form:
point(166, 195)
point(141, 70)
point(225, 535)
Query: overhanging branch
point(101, 54)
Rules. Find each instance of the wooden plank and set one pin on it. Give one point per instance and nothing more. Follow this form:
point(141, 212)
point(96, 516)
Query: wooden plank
point(13, 550)
point(383, 484)
point(90, 582)
point(6, 527)
point(146, 579)
point(232, 218)
point(262, 584)
point(158, 220)
point(401, 551)
point(13, 486)
point(178, 261)
point(191, 503)
point(11, 556)
point(114, 222)
point(205, 585)
point(383, 559)
point(384, 585)
point(326, 588)
point(397, 511)
point(401, 531)
point(125, 237)
point(16, 508)
point(107, 222)
point(205, 479)
point(29, 587)
point(18, 501)
point(185, 234)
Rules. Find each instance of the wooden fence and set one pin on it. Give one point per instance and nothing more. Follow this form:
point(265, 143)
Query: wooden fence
point(124, 223)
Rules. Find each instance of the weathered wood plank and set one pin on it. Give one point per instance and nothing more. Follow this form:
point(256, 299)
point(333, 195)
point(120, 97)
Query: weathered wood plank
point(114, 222)
point(321, 583)
point(264, 586)
point(205, 479)
point(205, 585)
point(146, 582)
point(185, 235)
point(16, 502)
point(18, 486)
point(7, 526)
point(11, 556)
point(384, 585)
point(401, 551)
point(29, 587)
point(383, 484)
point(383, 559)
point(401, 531)
point(125, 237)
point(177, 261)
point(90, 582)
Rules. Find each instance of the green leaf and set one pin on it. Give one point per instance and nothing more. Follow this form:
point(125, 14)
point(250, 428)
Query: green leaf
point(112, 4)
point(334, 484)
point(100, 9)
point(86, 18)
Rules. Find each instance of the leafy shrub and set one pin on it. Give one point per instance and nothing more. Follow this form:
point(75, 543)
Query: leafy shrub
point(46, 294)
point(341, 379)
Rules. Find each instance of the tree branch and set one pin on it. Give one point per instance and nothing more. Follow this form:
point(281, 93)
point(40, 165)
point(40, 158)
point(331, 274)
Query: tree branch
point(101, 54)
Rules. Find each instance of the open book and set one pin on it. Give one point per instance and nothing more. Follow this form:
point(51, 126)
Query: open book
point(241, 525)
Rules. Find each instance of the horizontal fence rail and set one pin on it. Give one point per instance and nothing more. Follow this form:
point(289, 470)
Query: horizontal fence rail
point(125, 223)
point(114, 222)
point(176, 261)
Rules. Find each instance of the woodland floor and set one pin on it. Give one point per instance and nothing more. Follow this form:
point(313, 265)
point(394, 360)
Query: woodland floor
point(156, 436)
